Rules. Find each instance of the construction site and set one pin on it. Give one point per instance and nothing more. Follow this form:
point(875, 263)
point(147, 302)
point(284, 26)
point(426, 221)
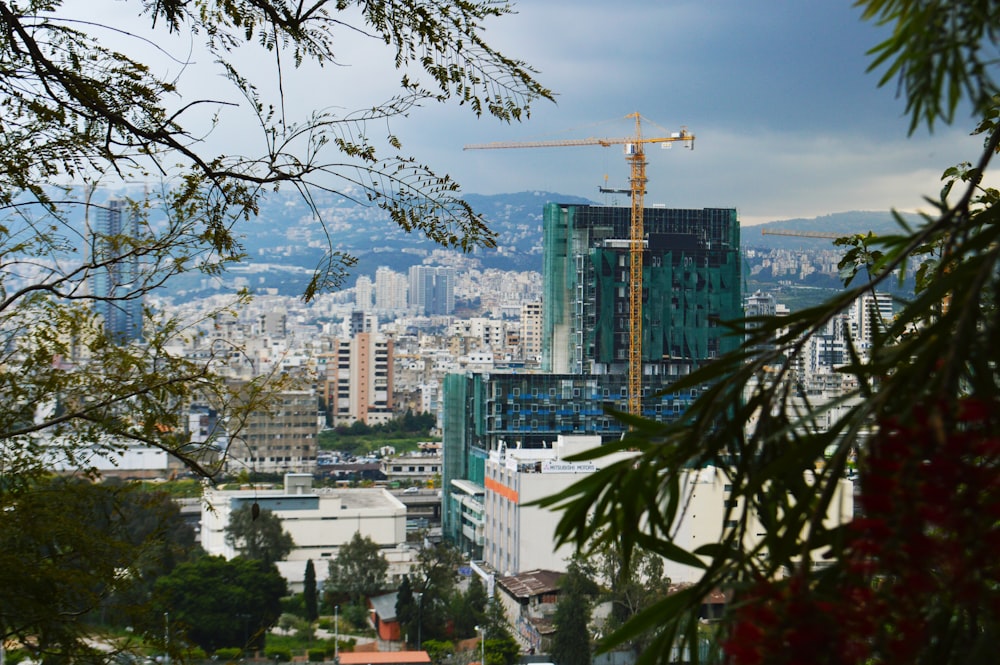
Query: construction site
point(634, 297)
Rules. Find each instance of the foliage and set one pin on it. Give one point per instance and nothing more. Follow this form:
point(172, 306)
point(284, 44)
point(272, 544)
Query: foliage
point(77, 107)
point(359, 438)
point(278, 655)
point(217, 603)
point(571, 644)
point(358, 571)
point(439, 650)
point(257, 534)
point(92, 102)
point(293, 604)
point(406, 607)
point(309, 592)
point(194, 654)
point(500, 645)
point(906, 580)
point(188, 488)
point(436, 577)
point(469, 609)
point(632, 585)
point(941, 53)
point(69, 547)
point(355, 617)
point(288, 621)
point(226, 654)
point(162, 539)
point(15, 656)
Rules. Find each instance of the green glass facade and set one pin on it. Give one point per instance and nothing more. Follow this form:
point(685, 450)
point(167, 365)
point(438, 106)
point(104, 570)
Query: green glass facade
point(691, 283)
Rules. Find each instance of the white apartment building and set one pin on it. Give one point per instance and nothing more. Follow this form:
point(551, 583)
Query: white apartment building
point(519, 537)
point(391, 291)
point(364, 293)
point(870, 313)
point(281, 439)
point(119, 458)
point(419, 467)
point(531, 333)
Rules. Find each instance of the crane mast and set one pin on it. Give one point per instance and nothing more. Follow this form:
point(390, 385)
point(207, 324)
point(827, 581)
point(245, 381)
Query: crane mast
point(635, 154)
point(637, 161)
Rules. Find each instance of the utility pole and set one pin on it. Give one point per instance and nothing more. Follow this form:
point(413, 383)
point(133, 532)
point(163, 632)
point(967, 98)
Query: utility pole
point(482, 644)
point(166, 638)
point(420, 618)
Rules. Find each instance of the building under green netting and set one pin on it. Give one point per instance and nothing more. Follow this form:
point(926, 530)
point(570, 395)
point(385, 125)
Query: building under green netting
point(691, 285)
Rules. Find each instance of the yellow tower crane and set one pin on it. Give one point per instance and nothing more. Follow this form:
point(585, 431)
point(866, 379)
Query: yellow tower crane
point(635, 154)
point(802, 234)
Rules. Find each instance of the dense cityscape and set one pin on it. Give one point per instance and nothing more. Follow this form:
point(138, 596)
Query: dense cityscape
point(508, 395)
point(275, 389)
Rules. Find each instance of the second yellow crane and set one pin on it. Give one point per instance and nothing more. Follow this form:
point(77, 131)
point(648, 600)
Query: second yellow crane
point(635, 154)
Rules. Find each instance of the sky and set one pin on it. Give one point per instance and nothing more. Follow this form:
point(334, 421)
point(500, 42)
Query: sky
point(788, 123)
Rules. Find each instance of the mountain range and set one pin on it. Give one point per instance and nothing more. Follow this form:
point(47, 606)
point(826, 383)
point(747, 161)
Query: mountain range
point(286, 241)
point(285, 232)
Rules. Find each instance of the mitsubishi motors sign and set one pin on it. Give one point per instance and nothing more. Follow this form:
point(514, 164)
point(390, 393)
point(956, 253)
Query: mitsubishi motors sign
point(559, 466)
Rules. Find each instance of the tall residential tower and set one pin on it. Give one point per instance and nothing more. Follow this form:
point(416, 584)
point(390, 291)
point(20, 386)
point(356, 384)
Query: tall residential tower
point(115, 285)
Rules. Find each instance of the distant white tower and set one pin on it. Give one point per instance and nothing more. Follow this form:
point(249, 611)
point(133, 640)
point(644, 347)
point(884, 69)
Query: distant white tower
point(870, 313)
point(363, 293)
point(391, 290)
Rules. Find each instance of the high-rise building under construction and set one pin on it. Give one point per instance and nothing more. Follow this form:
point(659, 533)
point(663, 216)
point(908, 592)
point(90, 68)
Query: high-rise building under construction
point(690, 278)
point(691, 286)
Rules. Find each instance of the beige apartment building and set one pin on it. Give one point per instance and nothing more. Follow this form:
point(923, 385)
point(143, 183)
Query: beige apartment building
point(357, 375)
point(283, 439)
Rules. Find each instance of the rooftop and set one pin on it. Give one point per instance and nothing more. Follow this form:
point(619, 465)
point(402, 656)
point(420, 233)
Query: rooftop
point(383, 657)
point(531, 583)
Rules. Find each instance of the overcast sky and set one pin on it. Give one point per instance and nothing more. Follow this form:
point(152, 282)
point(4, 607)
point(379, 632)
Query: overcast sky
point(788, 123)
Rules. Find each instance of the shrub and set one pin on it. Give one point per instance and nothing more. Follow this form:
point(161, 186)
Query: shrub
point(278, 655)
point(228, 653)
point(195, 653)
point(316, 655)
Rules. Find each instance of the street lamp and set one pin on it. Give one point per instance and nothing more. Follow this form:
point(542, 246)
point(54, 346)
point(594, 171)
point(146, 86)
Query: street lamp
point(420, 617)
point(482, 644)
point(336, 633)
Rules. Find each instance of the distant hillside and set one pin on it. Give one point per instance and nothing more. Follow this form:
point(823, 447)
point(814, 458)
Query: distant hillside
point(285, 242)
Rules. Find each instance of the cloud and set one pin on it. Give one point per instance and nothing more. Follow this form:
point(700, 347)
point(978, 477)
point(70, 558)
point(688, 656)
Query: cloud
point(788, 122)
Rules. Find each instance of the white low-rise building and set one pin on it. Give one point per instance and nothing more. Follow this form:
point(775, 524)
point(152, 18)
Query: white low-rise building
point(319, 520)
